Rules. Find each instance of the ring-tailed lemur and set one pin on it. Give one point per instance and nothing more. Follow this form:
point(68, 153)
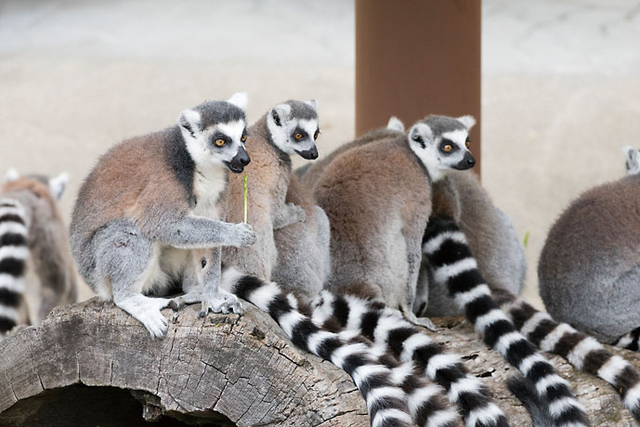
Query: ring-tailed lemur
point(289, 127)
point(566, 408)
point(377, 196)
point(589, 268)
point(394, 396)
point(490, 233)
point(34, 251)
point(151, 213)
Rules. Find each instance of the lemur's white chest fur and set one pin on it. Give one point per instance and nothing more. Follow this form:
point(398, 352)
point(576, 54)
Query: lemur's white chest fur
point(208, 185)
point(170, 263)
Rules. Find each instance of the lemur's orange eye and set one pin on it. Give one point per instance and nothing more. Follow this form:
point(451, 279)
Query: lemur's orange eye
point(244, 138)
point(315, 135)
point(447, 148)
point(220, 142)
point(467, 144)
point(298, 136)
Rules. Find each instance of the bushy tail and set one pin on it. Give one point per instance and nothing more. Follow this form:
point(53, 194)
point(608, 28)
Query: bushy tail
point(14, 254)
point(629, 341)
point(582, 351)
point(387, 329)
point(522, 389)
point(386, 402)
point(453, 264)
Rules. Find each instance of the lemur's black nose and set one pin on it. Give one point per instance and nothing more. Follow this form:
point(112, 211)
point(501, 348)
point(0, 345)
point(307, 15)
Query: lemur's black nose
point(471, 162)
point(245, 160)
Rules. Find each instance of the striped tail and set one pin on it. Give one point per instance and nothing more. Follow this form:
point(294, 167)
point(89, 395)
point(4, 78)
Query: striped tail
point(386, 402)
point(629, 341)
point(582, 351)
point(14, 253)
point(389, 331)
point(453, 264)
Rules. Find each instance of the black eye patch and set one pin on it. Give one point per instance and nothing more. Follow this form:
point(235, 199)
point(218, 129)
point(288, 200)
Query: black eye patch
point(445, 142)
point(222, 136)
point(300, 131)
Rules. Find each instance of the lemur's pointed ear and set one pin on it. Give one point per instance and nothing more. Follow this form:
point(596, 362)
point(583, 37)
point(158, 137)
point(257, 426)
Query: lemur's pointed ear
point(313, 103)
point(58, 184)
point(420, 133)
point(467, 121)
point(280, 113)
point(11, 175)
point(632, 158)
point(239, 99)
point(190, 121)
point(395, 124)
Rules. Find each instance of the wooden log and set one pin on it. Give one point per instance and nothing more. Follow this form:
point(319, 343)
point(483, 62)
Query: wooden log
point(93, 364)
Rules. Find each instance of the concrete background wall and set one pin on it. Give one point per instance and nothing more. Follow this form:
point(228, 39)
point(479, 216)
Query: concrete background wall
point(561, 84)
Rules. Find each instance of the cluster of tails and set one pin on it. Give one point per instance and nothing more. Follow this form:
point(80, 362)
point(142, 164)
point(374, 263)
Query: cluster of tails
point(407, 378)
point(515, 329)
point(14, 254)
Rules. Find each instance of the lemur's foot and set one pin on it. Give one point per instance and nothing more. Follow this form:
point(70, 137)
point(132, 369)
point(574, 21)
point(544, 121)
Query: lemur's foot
point(421, 321)
point(189, 298)
point(147, 311)
point(223, 302)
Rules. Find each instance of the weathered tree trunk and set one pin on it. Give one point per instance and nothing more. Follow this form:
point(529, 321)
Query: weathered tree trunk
point(92, 364)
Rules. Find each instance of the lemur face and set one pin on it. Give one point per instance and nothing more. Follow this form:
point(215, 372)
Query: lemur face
point(215, 133)
point(632, 157)
point(294, 128)
point(442, 143)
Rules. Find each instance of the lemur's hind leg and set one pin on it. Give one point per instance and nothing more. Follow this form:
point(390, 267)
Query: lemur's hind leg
point(214, 298)
point(130, 262)
point(201, 283)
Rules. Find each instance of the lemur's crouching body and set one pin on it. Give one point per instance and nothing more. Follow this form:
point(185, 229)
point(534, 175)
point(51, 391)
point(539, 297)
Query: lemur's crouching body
point(490, 234)
point(151, 214)
point(304, 259)
point(589, 268)
point(378, 199)
point(35, 258)
point(290, 127)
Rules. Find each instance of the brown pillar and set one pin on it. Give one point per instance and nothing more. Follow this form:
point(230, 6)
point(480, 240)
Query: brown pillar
point(415, 58)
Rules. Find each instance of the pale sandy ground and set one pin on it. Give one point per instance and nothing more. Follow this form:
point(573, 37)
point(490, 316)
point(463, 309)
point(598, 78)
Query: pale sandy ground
point(561, 85)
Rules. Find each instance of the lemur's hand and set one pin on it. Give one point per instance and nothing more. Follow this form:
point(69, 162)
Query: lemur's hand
point(288, 215)
point(243, 235)
point(296, 213)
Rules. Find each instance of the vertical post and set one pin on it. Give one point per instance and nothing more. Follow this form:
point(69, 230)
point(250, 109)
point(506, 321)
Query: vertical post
point(415, 58)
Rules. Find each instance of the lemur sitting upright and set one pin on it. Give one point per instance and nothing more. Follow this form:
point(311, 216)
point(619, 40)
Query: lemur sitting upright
point(151, 213)
point(437, 141)
point(289, 127)
point(34, 251)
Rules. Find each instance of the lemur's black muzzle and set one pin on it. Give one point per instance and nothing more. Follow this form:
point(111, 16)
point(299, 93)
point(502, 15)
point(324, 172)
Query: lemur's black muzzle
point(310, 154)
point(239, 161)
point(467, 162)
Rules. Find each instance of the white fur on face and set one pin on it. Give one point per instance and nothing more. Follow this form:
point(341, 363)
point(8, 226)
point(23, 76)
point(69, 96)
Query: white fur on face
point(428, 154)
point(199, 145)
point(282, 134)
point(432, 158)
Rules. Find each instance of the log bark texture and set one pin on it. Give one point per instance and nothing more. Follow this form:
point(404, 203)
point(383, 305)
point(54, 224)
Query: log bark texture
point(93, 364)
